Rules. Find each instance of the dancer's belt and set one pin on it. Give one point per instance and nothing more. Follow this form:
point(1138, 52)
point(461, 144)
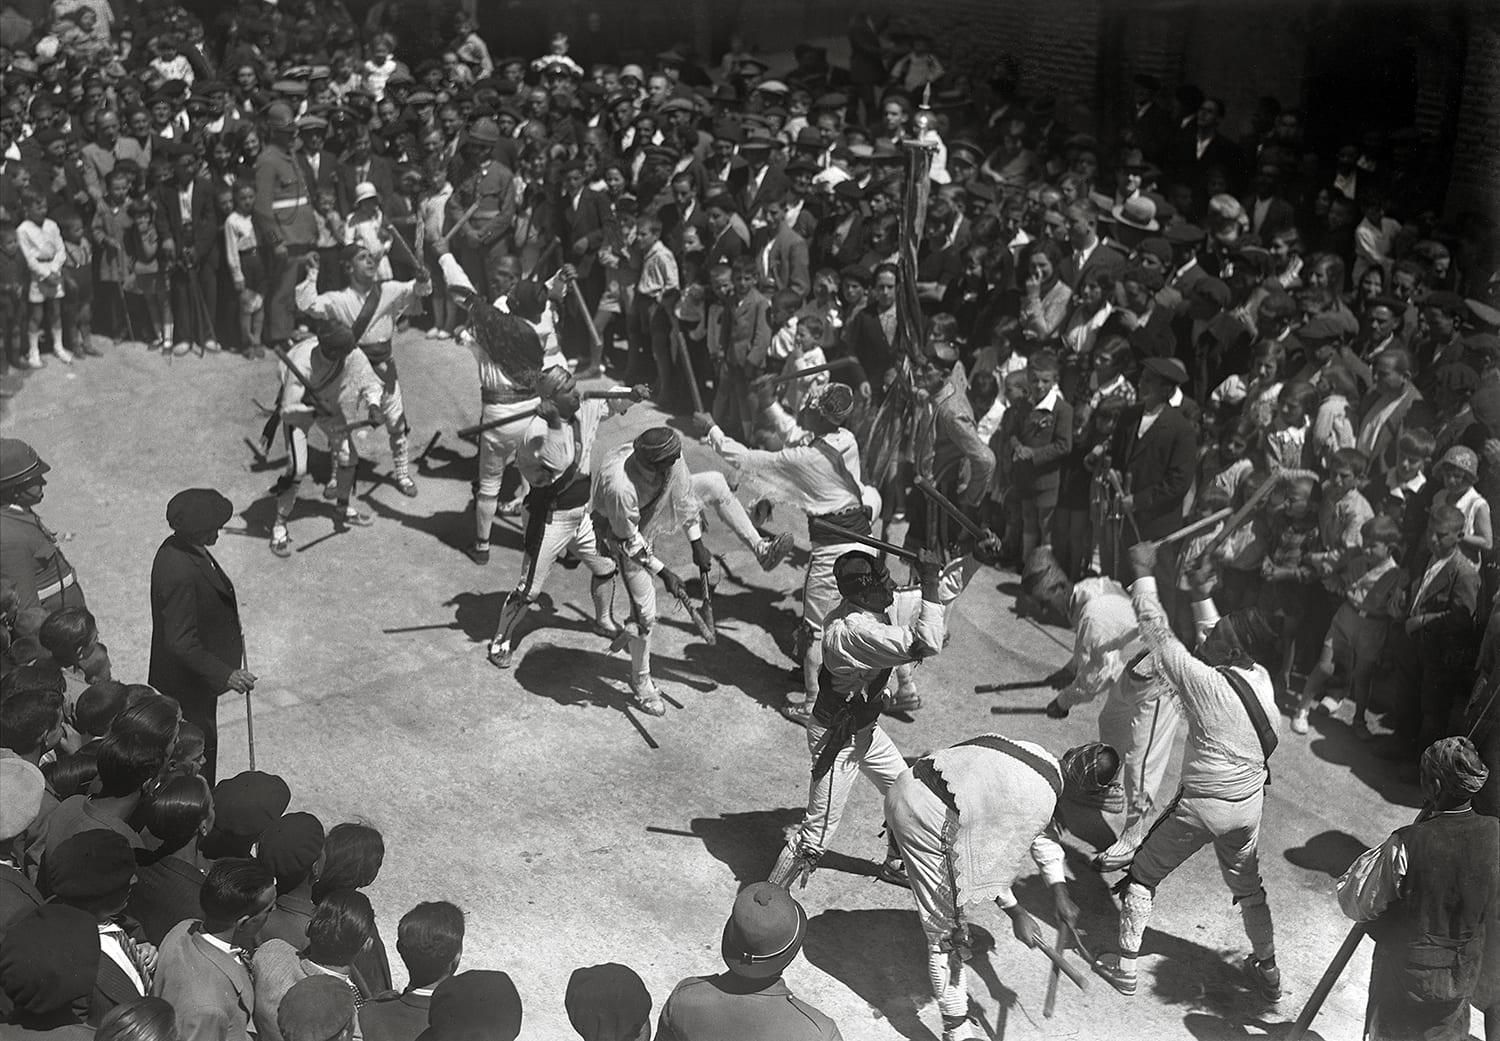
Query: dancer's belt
point(925, 770)
point(503, 396)
point(68, 580)
point(377, 352)
point(855, 519)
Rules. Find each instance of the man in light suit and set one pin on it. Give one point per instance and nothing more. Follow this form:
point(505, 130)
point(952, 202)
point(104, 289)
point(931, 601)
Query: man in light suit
point(202, 966)
point(780, 253)
point(1442, 627)
point(197, 646)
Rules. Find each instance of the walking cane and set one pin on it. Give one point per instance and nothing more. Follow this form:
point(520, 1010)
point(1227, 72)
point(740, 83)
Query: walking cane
point(249, 713)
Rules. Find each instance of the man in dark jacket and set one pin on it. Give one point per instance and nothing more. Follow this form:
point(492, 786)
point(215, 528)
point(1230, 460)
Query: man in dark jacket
point(1153, 452)
point(197, 647)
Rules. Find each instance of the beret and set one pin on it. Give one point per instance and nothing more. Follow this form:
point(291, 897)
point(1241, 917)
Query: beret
point(1446, 301)
point(23, 785)
point(1170, 369)
point(198, 509)
point(290, 845)
point(49, 959)
point(248, 802)
point(1157, 247)
point(477, 1003)
point(1185, 234)
point(91, 864)
point(317, 1008)
point(1147, 278)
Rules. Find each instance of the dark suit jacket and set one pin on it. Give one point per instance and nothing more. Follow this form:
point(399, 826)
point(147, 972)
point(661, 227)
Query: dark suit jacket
point(725, 249)
point(394, 1017)
point(1104, 258)
point(673, 227)
point(772, 185)
point(839, 253)
point(1280, 215)
point(18, 896)
point(865, 340)
point(1157, 468)
point(1153, 132)
point(1049, 434)
point(196, 641)
point(1454, 593)
point(382, 174)
point(587, 220)
point(165, 893)
point(1220, 152)
point(787, 266)
point(111, 987)
point(326, 179)
point(209, 990)
point(200, 229)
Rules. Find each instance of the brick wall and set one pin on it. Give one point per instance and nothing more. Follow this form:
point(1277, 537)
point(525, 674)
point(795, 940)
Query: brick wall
point(1475, 184)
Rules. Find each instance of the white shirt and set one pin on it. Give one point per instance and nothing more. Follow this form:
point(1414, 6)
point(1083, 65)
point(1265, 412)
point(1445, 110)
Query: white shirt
point(804, 472)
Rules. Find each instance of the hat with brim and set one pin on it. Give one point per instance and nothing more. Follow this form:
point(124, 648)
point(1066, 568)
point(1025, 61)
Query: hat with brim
point(1483, 314)
point(198, 509)
point(1170, 369)
point(764, 932)
point(279, 117)
point(19, 463)
point(772, 87)
point(364, 190)
point(1138, 212)
point(1462, 458)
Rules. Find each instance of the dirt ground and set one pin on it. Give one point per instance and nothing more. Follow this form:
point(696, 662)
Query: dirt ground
point(574, 832)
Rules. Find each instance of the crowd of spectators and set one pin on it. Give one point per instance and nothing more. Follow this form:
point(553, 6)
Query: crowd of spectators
point(1131, 331)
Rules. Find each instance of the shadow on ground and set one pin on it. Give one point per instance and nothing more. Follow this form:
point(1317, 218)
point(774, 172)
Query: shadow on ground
point(746, 843)
point(1328, 852)
point(880, 955)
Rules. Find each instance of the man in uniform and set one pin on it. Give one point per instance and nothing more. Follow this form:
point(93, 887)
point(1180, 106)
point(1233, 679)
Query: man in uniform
point(370, 309)
point(1431, 893)
point(348, 394)
point(555, 458)
point(750, 1002)
point(822, 478)
point(284, 214)
point(485, 237)
point(29, 555)
point(962, 819)
point(1231, 713)
point(874, 631)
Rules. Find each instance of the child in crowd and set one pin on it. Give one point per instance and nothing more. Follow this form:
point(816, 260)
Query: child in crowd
point(78, 287)
point(242, 254)
point(42, 245)
point(13, 278)
point(1256, 392)
point(1333, 425)
point(142, 249)
point(1372, 584)
point(1288, 436)
point(366, 227)
point(112, 224)
point(1458, 471)
point(1015, 388)
point(1291, 533)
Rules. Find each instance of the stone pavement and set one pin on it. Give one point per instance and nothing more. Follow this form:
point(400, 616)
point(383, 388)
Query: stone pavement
point(573, 832)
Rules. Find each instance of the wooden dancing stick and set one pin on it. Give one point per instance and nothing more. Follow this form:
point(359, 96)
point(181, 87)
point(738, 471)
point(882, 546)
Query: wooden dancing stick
point(954, 513)
point(1061, 964)
point(479, 428)
point(823, 527)
point(1243, 513)
point(1055, 975)
point(1114, 482)
point(458, 225)
point(1201, 524)
point(610, 393)
point(680, 343)
point(576, 296)
point(837, 363)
